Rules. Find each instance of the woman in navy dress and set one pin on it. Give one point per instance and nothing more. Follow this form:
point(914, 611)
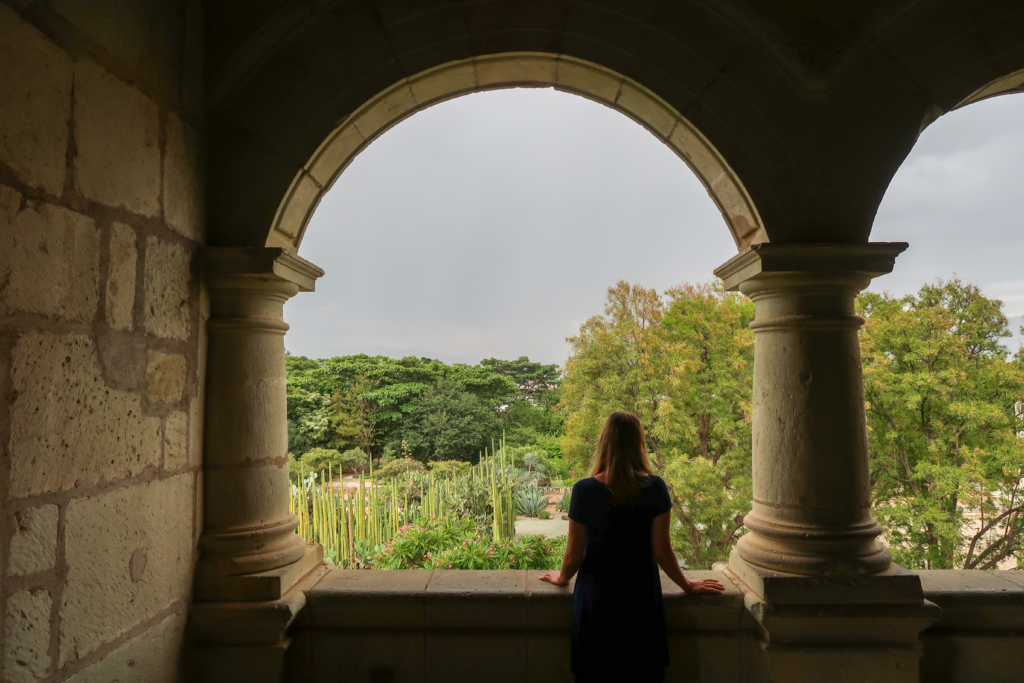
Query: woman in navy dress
point(618, 537)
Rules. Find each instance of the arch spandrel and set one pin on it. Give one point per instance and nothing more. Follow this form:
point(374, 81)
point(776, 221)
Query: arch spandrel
point(494, 72)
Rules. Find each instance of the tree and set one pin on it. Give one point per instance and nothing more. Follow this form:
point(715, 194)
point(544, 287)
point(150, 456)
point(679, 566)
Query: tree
point(944, 421)
point(707, 418)
point(619, 361)
point(376, 390)
point(355, 416)
point(532, 380)
point(447, 423)
point(683, 363)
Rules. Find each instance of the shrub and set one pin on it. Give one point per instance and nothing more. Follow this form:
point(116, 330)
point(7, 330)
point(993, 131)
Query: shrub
point(543, 514)
point(462, 544)
point(530, 502)
point(445, 468)
point(318, 460)
point(563, 503)
point(400, 467)
point(353, 459)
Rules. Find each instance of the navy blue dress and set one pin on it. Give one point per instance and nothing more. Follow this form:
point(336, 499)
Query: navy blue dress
point(618, 626)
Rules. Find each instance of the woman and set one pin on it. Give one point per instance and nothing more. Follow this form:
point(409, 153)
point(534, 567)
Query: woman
point(620, 516)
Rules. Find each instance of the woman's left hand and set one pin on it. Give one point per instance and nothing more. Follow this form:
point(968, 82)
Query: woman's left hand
point(555, 578)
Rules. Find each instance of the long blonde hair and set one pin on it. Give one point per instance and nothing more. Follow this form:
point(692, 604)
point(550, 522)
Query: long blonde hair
point(622, 455)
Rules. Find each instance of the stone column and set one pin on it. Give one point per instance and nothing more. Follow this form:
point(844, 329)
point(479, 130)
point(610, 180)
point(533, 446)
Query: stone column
point(247, 528)
point(831, 604)
point(811, 511)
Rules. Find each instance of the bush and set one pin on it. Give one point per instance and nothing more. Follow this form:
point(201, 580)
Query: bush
point(563, 503)
point(543, 514)
point(531, 502)
point(462, 544)
point(319, 459)
point(353, 459)
point(447, 468)
point(400, 467)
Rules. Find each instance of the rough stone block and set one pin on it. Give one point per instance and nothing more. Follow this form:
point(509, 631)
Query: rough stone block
point(165, 377)
point(168, 272)
point(176, 441)
point(453, 656)
point(183, 188)
point(34, 543)
point(35, 103)
point(129, 555)
point(67, 425)
point(387, 656)
point(549, 657)
point(144, 36)
point(352, 598)
point(152, 657)
point(117, 131)
point(476, 599)
point(49, 259)
point(121, 276)
point(27, 636)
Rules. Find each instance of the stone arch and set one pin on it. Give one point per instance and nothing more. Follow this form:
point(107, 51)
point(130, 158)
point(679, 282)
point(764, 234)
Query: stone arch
point(1004, 85)
point(533, 70)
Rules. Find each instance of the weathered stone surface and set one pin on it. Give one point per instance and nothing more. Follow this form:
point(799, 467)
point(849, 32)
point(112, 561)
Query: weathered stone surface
point(168, 271)
point(110, 587)
point(144, 36)
point(43, 243)
point(34, 543)
point(68, 426)
point(117, 131)
point(165, 377)
point(121, 276)
point(183, 190)
point(35, 103)
point(152, 657)
point(27, 636)
point(176, 441)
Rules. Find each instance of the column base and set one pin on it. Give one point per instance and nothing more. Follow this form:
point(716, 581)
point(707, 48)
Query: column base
point(248, 641)
point(843, 629)
point(258, 586)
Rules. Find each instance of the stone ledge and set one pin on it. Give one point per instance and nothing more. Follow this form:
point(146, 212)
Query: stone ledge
point(894, 586)
point(976, 600)
point(514, 599)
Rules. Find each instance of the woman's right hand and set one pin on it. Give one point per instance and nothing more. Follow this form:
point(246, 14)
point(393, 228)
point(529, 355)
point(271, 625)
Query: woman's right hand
point(705, 586)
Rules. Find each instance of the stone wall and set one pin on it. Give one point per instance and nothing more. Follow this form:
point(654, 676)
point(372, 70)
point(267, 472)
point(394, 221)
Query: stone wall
point(101, 336)
point(499, 626)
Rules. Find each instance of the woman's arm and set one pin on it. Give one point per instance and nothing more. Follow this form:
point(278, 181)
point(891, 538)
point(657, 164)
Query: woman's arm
point(670, 565)
point(573, 555)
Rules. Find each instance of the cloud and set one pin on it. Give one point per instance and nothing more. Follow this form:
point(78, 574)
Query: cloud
point(493, 224)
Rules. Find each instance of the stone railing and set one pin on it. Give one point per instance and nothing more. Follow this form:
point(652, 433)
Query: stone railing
point(494, 626)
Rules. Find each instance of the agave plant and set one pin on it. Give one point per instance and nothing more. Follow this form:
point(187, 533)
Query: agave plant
point(563, 502)
point(530, 502)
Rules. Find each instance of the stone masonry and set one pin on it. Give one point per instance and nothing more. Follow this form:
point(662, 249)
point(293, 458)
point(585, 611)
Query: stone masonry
point(101, 343)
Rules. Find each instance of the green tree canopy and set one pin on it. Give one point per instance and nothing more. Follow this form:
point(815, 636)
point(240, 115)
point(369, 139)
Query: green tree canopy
point(944, 421)
point(682, 362)
point(447, 423)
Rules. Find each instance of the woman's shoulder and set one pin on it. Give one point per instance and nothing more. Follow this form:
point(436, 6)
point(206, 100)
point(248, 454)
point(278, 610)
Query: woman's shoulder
point(655, 483)
point(588, 483)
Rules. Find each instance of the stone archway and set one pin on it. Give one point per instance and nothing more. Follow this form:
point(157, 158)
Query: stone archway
point(512, 70)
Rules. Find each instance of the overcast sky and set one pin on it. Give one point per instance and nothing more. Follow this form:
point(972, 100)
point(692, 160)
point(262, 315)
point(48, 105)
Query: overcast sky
point(492, 225)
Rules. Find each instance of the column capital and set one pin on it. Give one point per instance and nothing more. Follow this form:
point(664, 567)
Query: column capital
point(870, 259)
point(261, 262)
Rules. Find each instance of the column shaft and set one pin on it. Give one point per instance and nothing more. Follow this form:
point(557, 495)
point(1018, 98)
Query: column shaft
point(247, 527)
point(811, 511)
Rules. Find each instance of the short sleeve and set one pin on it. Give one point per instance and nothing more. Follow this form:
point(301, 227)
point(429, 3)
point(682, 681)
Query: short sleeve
point(578, 511)
point(661, 496)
